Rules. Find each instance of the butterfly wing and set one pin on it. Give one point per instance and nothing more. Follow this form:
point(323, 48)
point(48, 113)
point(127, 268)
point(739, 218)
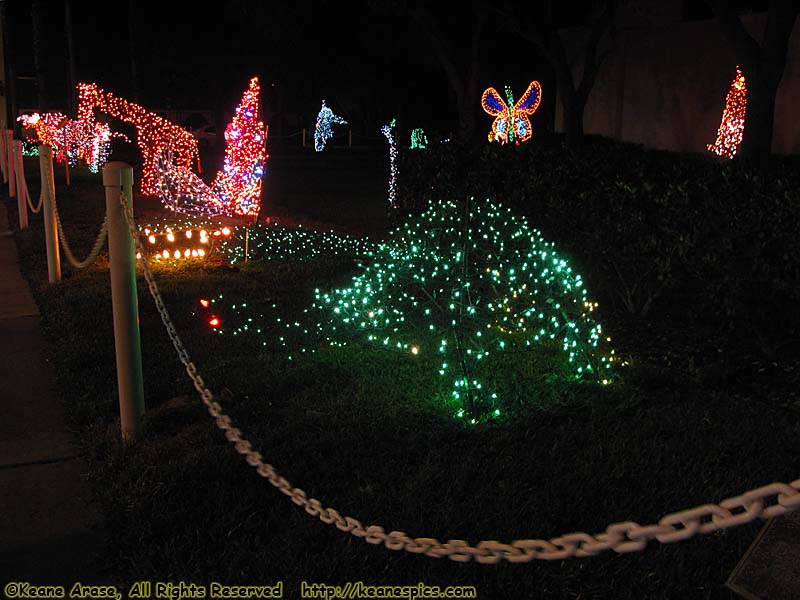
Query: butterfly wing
point(500, 129)
point(493, 104)
point(523, 127)
point(529, 101)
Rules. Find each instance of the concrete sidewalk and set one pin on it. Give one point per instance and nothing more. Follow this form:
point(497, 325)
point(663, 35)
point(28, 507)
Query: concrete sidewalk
point(49, 533)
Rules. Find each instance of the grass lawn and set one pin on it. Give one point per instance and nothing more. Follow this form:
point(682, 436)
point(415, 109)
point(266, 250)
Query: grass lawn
point(357, 429)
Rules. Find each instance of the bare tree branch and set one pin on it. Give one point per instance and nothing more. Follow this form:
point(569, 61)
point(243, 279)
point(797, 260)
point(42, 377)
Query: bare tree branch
point(591, 60)
point(747, 50)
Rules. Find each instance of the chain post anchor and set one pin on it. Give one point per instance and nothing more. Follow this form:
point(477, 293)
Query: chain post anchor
point(118, 179)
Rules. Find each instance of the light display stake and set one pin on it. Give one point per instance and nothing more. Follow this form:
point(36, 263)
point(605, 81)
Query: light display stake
point(454, 287)
point(238, 185)
point(731, 129)
point(512, 120)
point(419, 141)
point(388, 132)
point(155, 134)
point(323, 131)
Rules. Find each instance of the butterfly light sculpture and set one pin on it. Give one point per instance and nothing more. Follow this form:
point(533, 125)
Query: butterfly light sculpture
point(512, 120)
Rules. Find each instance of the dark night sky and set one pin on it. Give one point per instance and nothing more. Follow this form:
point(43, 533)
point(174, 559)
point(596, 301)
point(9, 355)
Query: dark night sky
point(369, 63)
point(367, 60)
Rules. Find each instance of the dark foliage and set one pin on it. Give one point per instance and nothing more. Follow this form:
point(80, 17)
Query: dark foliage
point(650, 231)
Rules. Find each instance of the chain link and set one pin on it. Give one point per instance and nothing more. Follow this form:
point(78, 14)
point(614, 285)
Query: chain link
point(621, 537)
point(24, 185)
point(98, 243)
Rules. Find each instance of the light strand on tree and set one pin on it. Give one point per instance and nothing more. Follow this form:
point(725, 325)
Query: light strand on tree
point(388, 132)
point(512, 120)
point(155, 134)
point(238, 184)
point(731, 128)
point(323, 130)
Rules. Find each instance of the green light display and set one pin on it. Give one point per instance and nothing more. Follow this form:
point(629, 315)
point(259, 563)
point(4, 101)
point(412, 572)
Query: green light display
point(455, 285)
point(419, 141)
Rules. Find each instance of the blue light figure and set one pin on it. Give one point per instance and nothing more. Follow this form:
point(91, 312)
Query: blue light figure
point(323, 130)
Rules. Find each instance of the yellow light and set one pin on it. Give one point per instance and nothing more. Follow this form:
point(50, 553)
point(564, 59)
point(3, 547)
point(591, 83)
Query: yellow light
point(151, 239)
point(170, 237)
point(414, 350)
point(165, 254)
point(187, 253)
point(177, 253)
point(226, 231)
point(201, 252)
point(194, 253)
point(189, 234)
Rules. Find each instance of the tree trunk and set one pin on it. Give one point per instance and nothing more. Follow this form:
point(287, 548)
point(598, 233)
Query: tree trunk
point(573, 119)
point(11, 75)
point(467, 118)
point(38, 54)
point(72, 77)
point(759, 119)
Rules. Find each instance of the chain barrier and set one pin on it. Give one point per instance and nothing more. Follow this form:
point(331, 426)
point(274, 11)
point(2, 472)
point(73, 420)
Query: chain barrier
point(764, 502)
point(98, 243)
point(95, 251)
point(38, 209)
point(24, 186)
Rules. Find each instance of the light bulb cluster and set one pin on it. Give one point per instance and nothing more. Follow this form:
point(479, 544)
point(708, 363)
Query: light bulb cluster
point(453, 287)
point(182, 191)
point(238, 184)
point(236, 189)
point(512, 122)
point(731, 129)
point(388, 132)
point(155, 134)
point(73, 141)
point(30, 148)
point(323, 130)
point(275, 242)
point(185, 241)
point(419, 140)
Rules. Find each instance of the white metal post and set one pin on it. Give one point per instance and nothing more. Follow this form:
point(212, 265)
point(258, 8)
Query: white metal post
point(49, 204)
point(117, 179)
point(12, 186)
point(22, 207)
point(3, 152)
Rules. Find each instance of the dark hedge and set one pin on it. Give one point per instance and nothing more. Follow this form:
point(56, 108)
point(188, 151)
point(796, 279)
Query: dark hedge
point(656, 233)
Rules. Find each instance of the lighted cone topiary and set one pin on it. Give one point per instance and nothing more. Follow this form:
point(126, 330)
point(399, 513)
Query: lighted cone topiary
point(464, 283)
